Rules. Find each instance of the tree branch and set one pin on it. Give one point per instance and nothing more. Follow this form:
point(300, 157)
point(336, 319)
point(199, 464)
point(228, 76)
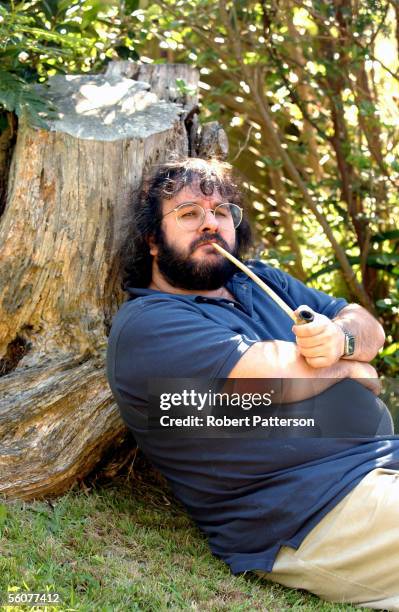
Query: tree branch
point(354, 285)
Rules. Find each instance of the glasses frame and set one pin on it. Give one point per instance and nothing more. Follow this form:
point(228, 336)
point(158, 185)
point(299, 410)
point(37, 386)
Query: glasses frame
point(204, 211)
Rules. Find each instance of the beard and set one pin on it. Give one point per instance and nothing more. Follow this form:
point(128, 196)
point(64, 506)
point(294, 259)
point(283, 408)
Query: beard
point(181, 271)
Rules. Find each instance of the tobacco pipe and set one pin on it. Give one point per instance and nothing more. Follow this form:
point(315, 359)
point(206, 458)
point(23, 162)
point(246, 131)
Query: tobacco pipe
point(303, 317)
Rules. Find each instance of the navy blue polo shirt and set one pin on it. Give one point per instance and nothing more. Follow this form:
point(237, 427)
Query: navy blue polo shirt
point(249, 496)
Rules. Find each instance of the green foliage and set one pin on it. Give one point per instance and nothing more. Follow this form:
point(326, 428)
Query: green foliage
point(18, 96)
point(41, 38)
point(183, 88)
point(384, 257)
point(389, 359)
point(3, 515)
point(324, 73)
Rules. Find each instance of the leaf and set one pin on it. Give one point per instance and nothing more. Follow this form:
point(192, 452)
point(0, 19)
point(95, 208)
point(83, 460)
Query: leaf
point(50, 8)
point(3, 515)
point(270, 162)
point(183, 88)
point(387, 303)
point(384, 259)
point(131, 5)
point(126, 53)
point(367, 108)
point(18, 96)
point(380, 261)
point(10, 88)
point(391, 349)
point(389, 235)
point(391, 361)
point(70, 28)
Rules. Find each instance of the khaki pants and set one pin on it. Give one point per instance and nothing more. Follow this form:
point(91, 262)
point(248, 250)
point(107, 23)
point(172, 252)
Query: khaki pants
point(352, 555)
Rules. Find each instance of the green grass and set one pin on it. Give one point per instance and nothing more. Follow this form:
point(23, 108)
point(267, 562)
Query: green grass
point(126, 545)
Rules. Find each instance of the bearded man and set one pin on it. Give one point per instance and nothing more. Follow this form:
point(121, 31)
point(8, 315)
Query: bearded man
point(318, 513)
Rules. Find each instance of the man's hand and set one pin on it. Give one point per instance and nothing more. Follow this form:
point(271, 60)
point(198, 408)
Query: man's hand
point(321, 342)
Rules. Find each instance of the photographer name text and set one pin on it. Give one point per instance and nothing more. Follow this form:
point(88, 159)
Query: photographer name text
point(225, 421)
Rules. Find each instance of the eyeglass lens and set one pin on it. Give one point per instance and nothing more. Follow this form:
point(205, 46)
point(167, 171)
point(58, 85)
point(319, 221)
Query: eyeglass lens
point(191, 216)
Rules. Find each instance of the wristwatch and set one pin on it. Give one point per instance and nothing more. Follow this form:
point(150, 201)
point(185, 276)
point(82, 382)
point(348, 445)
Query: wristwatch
point(350, 343)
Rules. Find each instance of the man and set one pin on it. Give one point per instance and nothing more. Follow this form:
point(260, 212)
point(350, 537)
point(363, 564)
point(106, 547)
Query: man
point(319, 514)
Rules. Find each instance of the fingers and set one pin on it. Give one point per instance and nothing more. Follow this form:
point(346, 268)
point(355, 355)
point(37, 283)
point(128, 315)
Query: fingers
point(320, 342)
point(320, 350)
point(322, 355)
point(314, 351)
point(320, 362)
point(309, 329)
point(312, 341)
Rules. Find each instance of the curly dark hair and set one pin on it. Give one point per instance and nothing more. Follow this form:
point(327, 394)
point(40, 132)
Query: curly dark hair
point(168, 180)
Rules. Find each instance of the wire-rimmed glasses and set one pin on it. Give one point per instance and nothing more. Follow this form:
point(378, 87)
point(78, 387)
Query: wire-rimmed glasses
point(190, 216)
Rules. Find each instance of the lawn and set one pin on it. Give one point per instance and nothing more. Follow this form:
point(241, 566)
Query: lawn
point(125, 544)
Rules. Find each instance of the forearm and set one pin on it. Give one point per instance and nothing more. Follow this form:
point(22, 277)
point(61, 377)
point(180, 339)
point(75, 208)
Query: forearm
point(279, 359)
point(369, 333)
point(301, 381)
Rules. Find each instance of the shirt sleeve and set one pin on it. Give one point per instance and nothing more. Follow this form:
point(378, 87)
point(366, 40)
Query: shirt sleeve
point(171, 339)
point(300, 293)
point(320, 302)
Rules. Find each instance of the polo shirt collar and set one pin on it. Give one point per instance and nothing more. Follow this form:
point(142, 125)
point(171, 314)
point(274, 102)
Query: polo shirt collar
point(239, 285)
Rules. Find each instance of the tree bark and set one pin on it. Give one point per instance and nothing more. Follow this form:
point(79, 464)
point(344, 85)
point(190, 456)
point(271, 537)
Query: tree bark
point(69, 194)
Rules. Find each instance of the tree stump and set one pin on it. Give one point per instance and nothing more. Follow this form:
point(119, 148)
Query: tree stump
point(69, 192)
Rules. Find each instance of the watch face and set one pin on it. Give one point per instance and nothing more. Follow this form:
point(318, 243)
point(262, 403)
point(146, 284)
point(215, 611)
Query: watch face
point(350, 344)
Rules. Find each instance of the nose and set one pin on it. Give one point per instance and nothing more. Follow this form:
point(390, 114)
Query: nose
point(209, 223)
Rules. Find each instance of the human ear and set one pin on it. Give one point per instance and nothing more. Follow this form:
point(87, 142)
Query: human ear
point(153, 246)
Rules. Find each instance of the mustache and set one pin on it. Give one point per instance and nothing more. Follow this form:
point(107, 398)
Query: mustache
point(209, 238)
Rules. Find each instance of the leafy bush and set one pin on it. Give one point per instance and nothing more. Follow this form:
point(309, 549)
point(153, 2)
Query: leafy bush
point(41, 38)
